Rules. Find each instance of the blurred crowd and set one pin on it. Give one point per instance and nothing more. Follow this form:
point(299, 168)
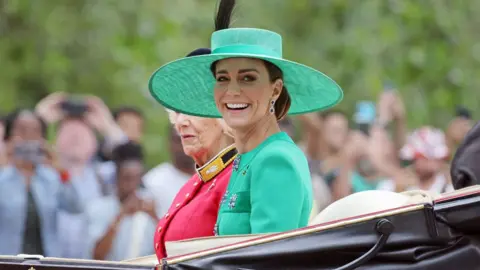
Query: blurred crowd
point(88, 194)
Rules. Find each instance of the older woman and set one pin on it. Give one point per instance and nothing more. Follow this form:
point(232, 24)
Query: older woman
point(194, 210)
point(245, 81)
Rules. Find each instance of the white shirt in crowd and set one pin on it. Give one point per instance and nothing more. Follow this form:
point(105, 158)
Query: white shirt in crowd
point(163, 182)
point(134, 235)
point(440, 185)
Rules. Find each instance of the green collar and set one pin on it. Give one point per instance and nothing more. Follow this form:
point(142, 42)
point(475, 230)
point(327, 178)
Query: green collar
point(245, 158)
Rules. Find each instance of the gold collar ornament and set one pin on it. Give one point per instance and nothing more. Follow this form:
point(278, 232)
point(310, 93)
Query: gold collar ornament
point(217, 164)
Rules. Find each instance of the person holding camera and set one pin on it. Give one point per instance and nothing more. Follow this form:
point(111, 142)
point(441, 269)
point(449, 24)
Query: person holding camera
point(32, 190)
point(78, 119)
point(121, 225)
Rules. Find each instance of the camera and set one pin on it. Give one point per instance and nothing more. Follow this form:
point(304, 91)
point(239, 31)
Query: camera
point(74, 107)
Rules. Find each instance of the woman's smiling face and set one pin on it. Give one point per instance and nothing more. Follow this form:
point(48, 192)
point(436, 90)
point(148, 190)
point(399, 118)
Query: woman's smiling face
point(243, 91)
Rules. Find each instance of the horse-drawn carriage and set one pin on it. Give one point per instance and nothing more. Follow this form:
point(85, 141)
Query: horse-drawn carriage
point(423, 233)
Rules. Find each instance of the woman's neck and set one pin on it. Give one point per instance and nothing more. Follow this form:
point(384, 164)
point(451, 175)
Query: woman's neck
point(249, 139)
point(208, 154)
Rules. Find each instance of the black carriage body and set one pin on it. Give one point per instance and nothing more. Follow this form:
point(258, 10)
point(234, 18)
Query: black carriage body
point(444, 236)
point(22, 263)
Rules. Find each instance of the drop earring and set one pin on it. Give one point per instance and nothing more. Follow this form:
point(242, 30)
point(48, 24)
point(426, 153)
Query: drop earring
point(272, 106)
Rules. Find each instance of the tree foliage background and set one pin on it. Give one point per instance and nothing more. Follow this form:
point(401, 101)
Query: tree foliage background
point(429, 48)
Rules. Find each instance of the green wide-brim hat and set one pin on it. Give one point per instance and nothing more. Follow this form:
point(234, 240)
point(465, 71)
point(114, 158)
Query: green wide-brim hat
point(186, 85)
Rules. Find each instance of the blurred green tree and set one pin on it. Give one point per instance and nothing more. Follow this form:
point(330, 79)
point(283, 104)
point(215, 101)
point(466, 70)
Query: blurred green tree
point(430, 49)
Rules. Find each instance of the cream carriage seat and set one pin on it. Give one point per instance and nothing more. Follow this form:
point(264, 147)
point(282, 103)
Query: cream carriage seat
point(150, 260)
point(366, 202)
point(176, 248)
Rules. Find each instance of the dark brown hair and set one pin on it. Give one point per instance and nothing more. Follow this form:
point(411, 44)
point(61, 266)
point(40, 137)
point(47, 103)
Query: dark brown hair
point(283, 103)
point(128, 151)
point(12, 117)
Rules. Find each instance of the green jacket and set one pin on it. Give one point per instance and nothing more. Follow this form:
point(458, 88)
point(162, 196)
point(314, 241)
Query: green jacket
point(270, 190)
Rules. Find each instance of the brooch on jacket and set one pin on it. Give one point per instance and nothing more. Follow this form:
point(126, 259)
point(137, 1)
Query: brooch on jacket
point(224, 198)
point(236, 163)
point(233, 201)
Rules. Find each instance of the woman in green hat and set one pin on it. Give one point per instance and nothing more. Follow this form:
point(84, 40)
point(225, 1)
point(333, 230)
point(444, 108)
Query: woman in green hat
point(246, 81)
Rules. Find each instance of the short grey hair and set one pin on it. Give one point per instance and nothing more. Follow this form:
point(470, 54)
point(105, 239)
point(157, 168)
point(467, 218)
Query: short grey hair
point(226, 129)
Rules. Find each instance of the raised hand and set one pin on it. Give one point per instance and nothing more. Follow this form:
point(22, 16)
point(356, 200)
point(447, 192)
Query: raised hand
point(50, 109)
point(148, 206)
point(398, 107)
point(98, 114)
point(131, 205)
point(355, 147)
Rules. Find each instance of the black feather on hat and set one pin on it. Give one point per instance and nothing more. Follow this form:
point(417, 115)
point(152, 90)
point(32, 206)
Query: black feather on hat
point(465, 168)
point(222, 21)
